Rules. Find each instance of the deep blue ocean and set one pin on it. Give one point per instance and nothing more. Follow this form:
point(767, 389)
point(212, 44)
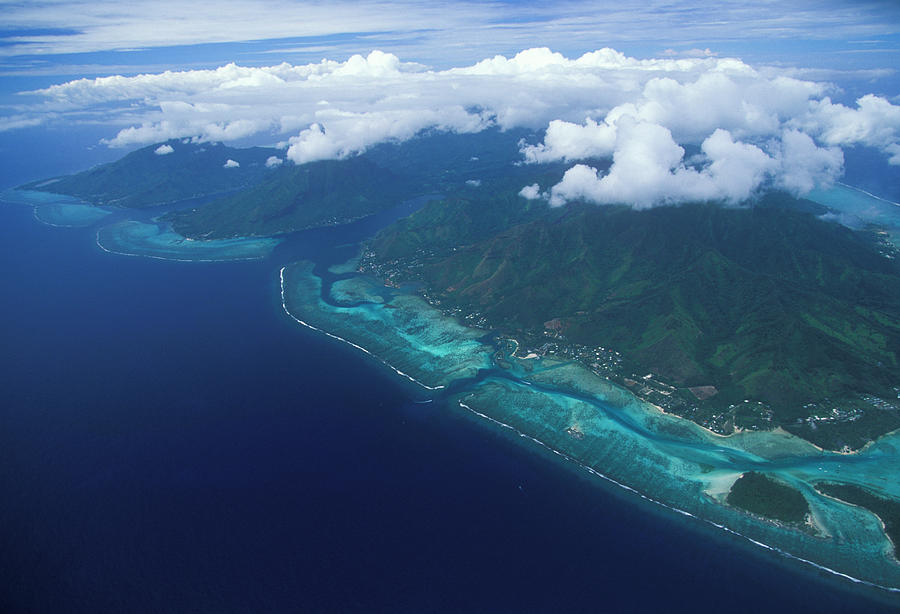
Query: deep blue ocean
point(170, 441)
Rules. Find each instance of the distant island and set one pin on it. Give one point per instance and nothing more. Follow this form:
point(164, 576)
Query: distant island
point(167, 172)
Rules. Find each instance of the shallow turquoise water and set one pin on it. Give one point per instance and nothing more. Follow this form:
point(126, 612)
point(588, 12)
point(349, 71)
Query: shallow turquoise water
point(70, 215)
point(58, 209)
point(689, 470)
point(667, 460)
point(133, 237)
point(156, 240)
point(861, 208)
point(414, 340)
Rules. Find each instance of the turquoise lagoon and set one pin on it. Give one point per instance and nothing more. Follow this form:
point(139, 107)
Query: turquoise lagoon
point(563, 409)
point(133, 237)
point(58, 209)
point(401, 330)
point(158, 240)
point(859, 208)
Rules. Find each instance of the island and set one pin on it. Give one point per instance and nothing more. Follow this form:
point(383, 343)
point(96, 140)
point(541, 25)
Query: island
point(759, 317)
point(736, 364)
point(885, 508)
point(759, 494)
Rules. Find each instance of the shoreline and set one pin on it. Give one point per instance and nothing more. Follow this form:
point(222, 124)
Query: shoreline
point(816, 530)
point(780, 430)
point(846, 185)
point(171, 258)
point(350, 343)
point(737, 430)
point(763, 545)
point(895, 552)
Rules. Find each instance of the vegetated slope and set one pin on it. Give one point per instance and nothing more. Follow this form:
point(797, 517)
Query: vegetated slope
point(143, 178)
point(442, 161)
point(297, 197)
point(760, 494)
point(467, 216)
point(257, 200)
point(887, 509)
point(762, 302)
point(335, 191)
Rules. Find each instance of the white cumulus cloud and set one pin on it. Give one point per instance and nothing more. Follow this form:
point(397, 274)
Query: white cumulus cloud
point(649, 169)
point(753, 126)
point(531, 192)
point(874, 122)
point(805, 165)
point(163, 150)
point(737, 169)
point(352, 133)
point(273, 161)
point(231, 164)
point(567, 141)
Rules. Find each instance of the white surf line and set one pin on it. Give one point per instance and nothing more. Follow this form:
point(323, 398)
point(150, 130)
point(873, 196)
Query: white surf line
point(112, 251)
point(853, 187)
point(34, 214)
point(350, 343)
point(593, 471)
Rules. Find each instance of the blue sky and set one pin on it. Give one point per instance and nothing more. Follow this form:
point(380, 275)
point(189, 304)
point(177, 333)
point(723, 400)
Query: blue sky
point(848, 48)
point(56, 39)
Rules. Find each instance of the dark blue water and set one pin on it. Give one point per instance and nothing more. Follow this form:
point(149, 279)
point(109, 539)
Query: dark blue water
point(171, 442)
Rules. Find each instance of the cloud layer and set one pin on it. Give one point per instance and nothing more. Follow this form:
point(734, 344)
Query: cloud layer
point(754, 130)
point(649, 169)
point(753, 127)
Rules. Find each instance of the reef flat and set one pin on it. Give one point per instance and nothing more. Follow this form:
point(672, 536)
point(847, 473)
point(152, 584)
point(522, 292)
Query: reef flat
point(859, 208)
point(414, 340)
point(157, 240)
point(57, 209)
point(152, 239)
point(561, 407)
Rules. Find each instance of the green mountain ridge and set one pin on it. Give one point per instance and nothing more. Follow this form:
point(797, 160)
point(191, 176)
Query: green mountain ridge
point(328, 192)
point(144, 178)
point(255, 200)
point(296, 197)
